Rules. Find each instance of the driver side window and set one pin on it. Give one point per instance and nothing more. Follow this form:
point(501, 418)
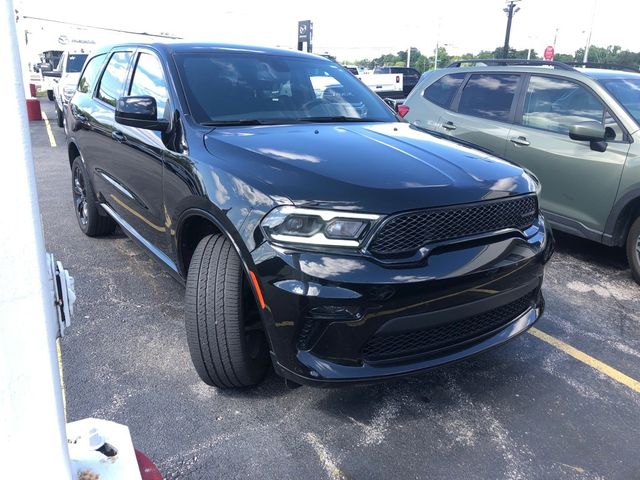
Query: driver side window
point(148, 80)
point(555, 104)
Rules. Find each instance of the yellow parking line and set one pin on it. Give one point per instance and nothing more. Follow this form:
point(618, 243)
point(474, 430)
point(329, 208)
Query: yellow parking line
point(611, 372)
point(47, 125)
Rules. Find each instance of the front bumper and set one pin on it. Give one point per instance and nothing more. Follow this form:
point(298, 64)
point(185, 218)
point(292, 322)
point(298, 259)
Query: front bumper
point(335, 318)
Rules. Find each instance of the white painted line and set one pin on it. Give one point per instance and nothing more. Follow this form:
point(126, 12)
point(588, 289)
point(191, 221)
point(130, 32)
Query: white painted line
point(328, 463)
point(47, 125)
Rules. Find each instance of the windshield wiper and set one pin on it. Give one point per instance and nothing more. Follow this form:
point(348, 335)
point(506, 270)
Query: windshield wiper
point(337, 118)
point(226, 123)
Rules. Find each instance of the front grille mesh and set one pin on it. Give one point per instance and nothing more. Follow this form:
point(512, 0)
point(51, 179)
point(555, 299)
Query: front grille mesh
point(445, 335)
point(408, 232)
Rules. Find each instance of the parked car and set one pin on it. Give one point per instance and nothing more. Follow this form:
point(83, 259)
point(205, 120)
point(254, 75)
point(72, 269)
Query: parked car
point(410, 76)
point(69, 68)
point(313, 228)
point(577, 130)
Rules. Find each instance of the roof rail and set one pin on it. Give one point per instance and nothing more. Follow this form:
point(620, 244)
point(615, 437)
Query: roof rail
point(609, 66)
point(511, 61)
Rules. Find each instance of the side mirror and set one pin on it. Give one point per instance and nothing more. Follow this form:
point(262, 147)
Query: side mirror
point(139, 112)
point(392, 103)
point(591, 131)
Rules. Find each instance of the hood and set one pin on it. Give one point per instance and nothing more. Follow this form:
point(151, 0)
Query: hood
point(368, 167)
point(70, 78)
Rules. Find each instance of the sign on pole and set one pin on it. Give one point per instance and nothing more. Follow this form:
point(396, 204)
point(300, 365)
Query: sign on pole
point(305, 34)
point(549, 53)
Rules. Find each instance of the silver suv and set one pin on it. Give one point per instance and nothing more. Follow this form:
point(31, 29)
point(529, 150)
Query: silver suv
point(577, 130)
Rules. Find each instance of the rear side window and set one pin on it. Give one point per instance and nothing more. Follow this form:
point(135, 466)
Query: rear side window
point(113, 78)
point(148, 80)
point(489, 96)
point(442, 92)
point(88, 78)
point(555, 104)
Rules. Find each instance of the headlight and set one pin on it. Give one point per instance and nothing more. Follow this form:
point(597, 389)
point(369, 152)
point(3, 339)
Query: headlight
point(68, 91)
point(317, 227)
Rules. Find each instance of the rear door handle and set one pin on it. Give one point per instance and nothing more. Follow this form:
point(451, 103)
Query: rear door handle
point(521, 141)
point(118, 136)
point(448, 126)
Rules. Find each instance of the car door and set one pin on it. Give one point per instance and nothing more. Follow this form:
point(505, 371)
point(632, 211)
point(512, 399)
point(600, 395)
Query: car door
point(98, 148)
point(138, 168)
point(483, 109)
point(579, 184)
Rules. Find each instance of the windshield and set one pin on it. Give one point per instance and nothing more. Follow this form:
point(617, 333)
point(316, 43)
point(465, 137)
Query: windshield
point(75, 62)
point(249, 88)
point(627, 92)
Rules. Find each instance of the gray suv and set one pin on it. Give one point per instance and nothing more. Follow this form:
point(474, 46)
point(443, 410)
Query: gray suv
point(576, 129)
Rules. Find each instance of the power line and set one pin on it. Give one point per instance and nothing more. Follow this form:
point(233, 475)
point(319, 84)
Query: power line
point(102, 28)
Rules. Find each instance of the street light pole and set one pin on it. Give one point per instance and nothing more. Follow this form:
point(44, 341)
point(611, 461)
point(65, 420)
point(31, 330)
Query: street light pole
point(510, 10)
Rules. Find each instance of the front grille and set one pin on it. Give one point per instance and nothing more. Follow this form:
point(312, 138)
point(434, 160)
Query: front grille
point(408, 232)
point(445, 335)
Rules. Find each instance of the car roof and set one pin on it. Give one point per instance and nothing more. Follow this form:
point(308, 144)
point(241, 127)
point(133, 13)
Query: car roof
point(189, 47)
point(594, 73)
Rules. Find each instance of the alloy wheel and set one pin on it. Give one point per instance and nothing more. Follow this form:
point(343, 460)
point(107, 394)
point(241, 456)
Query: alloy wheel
point(80, 197)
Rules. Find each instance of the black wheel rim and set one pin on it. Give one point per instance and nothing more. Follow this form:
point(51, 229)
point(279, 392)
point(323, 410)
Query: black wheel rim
point(80, 197)
point(638, 249)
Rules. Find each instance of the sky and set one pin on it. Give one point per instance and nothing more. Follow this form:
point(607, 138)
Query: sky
point(354, 30)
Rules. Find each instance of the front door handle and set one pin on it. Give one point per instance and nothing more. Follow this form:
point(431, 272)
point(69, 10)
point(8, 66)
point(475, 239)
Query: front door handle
point(118, 136)
point(521, 141)
point(448, 126)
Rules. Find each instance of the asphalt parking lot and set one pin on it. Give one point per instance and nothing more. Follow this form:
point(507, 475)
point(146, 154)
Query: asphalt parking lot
point(527, 410)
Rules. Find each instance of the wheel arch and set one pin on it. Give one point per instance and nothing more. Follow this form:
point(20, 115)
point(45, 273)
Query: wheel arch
point(622, 216)
point(72, 152)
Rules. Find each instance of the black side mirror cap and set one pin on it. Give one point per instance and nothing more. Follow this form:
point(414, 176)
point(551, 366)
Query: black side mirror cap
point(140, 112)
point(393, 103)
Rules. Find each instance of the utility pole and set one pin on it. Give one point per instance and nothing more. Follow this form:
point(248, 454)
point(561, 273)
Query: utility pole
point(408, 57)
point(510, 10)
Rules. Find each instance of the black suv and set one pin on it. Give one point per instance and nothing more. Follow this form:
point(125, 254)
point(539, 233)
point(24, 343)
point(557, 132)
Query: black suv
point(410, 76)
point(311, 225)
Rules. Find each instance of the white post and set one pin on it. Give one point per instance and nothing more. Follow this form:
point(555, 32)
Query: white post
point(585, 57)
point(408, 57)
point(32, 420)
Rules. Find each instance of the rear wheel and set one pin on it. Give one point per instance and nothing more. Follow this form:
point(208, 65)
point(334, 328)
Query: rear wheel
point(224, 330)
point(633, 249)
point(91, 222)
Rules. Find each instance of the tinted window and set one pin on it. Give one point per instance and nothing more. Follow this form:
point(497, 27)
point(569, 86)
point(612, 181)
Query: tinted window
point(442, 92)
point(112, 83)
point(228, 87)
point(148, 80)
point(489, 96)
point(88, 78)
point(555, 104)
point(75, 62)
point(627, 92)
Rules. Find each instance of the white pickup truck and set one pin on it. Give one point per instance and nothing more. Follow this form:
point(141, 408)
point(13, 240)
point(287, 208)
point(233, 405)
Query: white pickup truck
point(69, 67)
point(388, 85)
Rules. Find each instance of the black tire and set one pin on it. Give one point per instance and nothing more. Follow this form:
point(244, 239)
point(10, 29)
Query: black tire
point(633, 249)
point(50, 95)
point(59, 116)
point(224, 331)
point(91, 221)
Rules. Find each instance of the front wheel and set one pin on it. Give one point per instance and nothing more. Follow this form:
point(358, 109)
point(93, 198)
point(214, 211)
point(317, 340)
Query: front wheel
point(50, 95)
point(224, 330)
point(60, 117)
point(633, 249)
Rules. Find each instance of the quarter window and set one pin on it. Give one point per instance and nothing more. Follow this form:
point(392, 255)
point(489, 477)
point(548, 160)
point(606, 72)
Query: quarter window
point(489, 96)
point(442, 92)
point(148, 80)
point(88, 78)
point(555, 105)
point(112, 82)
